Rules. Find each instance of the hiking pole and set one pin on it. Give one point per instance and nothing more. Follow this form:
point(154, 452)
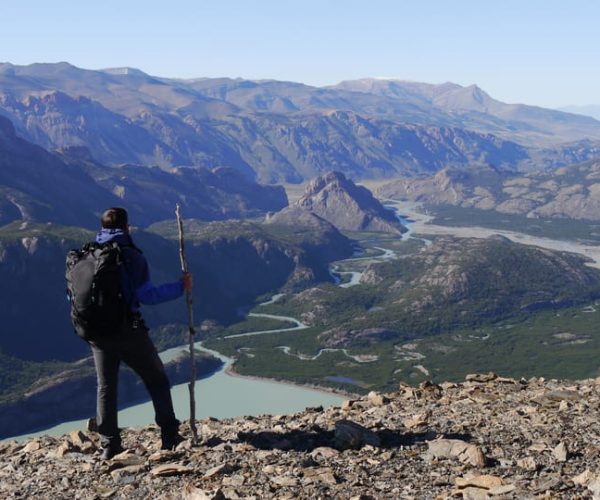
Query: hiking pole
point(191, 330)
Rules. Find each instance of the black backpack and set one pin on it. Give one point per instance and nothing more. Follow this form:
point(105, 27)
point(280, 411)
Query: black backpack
point(93, 275)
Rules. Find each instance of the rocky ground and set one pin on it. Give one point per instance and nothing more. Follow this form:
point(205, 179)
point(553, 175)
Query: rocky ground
point(485, 437)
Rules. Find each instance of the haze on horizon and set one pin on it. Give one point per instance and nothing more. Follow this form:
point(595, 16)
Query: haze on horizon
point(540, 52)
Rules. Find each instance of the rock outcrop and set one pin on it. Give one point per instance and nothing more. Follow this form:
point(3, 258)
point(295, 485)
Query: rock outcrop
point(488, 437)
point(347, 206)
point(320, 239)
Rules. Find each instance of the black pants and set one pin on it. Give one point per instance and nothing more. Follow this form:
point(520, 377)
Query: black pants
point(137, 350)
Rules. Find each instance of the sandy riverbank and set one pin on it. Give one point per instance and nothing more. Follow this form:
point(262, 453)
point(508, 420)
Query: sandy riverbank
point(312, 387)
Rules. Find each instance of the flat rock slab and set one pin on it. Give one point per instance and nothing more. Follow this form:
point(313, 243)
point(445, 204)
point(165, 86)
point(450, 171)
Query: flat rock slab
point(484, 481)
point(481, 377)
point(455, 448)
point(321, 474)
point(171, 470)
point(218, 470)
point(126, 475)
point(285, 481)
point(191, 492)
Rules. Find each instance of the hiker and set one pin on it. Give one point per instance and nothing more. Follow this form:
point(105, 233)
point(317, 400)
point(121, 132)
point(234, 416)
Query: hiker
point(132, 344)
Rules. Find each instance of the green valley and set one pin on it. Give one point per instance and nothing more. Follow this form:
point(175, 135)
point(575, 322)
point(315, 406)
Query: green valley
point(432, 313)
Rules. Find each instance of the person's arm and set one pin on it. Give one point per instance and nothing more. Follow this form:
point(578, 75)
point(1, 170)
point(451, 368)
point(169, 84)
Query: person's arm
point(145, 291)
point(150, 294)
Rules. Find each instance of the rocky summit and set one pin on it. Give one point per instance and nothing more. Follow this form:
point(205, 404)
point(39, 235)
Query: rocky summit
point(486, 437)
point(347, 206)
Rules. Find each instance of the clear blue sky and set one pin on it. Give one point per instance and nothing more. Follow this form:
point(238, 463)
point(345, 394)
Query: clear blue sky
point(543, 52)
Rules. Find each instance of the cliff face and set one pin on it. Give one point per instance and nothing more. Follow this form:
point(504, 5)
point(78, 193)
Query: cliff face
point(338, 200)
point(71, 395)
point(320, 239)
point(485, 437)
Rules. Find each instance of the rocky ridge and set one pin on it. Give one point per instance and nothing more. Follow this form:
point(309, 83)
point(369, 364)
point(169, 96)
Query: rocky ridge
point(487, 437)
point(568, 192)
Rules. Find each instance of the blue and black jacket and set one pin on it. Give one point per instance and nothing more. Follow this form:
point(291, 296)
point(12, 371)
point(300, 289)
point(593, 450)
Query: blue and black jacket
point(135, 281)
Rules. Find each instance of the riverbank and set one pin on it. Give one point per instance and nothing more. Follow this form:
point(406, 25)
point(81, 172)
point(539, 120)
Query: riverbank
point(421, 224)
point(313, 387)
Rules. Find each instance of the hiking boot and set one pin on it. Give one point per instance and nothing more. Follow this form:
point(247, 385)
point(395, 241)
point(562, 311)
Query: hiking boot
point(111, 450)
point(170, 441)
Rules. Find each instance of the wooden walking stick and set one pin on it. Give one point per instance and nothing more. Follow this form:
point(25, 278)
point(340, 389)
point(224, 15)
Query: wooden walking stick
point(191, 330)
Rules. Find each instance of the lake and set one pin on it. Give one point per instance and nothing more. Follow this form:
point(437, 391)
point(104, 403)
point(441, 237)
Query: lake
point(221, 395)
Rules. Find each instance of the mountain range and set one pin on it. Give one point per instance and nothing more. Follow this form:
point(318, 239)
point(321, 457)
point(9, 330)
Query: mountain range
point(69, 187)
point(284, 131)
point(571, 192)
point(75, 141)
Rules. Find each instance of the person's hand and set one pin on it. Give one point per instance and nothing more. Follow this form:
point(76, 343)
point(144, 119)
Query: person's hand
point(188, 282)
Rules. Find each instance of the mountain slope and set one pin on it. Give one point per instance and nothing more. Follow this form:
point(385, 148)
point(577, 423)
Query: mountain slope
point(267, 146)
point(488, 436)
point(449, 286)
point(569, 192)
point(477, 110)
point(36, 185)
point(71, 188)
point(592, 110)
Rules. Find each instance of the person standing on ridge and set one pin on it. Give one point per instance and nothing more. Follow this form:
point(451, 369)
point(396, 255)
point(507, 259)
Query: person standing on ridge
point(133, 345)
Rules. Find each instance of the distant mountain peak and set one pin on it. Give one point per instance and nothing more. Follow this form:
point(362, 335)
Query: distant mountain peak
point(125, 70)
point(329, 178)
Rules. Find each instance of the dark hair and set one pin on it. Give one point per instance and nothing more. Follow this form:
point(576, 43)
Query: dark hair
point(114, 218)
